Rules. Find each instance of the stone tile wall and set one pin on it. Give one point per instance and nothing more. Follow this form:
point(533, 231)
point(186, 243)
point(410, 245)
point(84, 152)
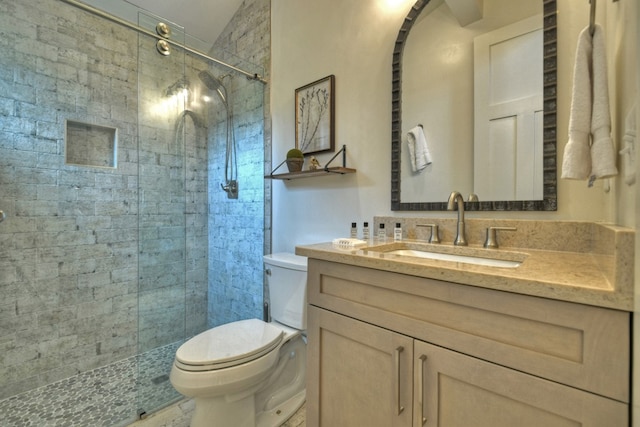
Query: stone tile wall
point(73, 294)
point(173, 197)
point(239, 230)
point(92, 260)
point(68, 250)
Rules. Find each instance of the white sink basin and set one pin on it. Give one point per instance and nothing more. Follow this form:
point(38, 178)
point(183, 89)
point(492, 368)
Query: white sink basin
point(450, 253)
point(489, 262)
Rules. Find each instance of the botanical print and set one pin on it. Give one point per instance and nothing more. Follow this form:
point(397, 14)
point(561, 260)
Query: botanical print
point(314, 116)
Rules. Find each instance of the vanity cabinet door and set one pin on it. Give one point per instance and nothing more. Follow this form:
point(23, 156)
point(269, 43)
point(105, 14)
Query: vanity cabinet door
point(462, 391)
point(358, 374)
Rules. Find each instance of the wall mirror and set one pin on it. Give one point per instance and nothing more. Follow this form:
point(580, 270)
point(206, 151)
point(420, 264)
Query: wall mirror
point(478, 81)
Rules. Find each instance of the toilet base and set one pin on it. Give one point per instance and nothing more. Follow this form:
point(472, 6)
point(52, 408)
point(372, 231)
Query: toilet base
point(219, 412)
point(277, 416)
point(286, 391)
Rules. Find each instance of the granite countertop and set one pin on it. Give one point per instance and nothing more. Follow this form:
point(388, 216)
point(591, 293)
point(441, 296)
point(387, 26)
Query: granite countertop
point(599, 279)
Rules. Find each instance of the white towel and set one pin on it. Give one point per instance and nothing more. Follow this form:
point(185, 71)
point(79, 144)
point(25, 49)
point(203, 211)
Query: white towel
point(589, 113)
point(603, 158)
point(576, 162)
point(418, 149)
point(628, 153)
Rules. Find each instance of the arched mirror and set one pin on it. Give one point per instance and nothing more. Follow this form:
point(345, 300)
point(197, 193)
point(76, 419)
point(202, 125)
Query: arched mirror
point(474, 105)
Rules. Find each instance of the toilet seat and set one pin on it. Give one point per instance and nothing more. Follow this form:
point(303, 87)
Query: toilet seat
point(228, 345)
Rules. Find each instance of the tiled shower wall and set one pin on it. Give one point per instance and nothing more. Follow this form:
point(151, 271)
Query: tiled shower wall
point(239, 230)
point(83, 265)
point(172, 185)
point(68, 249)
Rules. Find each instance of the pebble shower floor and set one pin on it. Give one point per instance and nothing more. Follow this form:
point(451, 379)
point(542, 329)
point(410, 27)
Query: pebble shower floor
point(108, 396)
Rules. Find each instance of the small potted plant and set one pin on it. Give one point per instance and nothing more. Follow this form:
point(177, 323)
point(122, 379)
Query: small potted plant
point(295, 160)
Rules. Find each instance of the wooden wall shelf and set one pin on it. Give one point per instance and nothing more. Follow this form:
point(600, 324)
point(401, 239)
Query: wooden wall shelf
point(308, 174)
point(326, 170)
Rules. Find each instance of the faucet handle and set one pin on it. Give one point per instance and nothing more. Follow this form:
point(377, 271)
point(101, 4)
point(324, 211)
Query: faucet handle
point(491, 241)
point(434, 237)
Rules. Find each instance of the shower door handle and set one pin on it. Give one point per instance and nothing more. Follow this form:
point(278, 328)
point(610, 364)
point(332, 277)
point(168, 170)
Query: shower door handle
point(2, 216)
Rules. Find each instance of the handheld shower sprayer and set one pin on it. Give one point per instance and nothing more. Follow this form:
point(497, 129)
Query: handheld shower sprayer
point(214, 83)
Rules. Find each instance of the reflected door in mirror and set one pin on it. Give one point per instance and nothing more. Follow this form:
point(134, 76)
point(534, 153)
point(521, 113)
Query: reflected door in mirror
point(508, 114)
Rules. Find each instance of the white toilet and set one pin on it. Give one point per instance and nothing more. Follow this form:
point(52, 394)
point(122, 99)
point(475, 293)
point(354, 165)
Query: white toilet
point(251, 373)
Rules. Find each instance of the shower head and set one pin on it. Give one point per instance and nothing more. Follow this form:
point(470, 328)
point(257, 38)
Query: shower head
point(178, 87)
point(213, 83)
point(210, 80)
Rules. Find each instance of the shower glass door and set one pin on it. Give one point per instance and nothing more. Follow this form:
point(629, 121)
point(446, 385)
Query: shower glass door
point(200, 248)
point(162, 174)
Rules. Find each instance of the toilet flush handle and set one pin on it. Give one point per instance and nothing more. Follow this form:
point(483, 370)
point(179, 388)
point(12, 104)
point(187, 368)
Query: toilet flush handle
point(267, 271)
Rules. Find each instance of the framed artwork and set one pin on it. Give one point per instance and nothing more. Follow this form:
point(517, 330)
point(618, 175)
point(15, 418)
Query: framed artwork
point(315, 116)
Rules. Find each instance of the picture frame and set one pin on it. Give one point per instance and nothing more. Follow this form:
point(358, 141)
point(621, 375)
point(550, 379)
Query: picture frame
point(315, 116)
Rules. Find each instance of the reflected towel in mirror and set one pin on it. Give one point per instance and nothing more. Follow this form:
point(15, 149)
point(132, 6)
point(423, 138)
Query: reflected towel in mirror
point(418, 149)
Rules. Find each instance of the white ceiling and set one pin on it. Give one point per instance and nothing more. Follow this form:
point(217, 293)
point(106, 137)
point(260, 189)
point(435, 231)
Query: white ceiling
point(203, 19)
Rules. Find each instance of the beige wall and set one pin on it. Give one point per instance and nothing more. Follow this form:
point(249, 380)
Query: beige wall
point(632, 205)
point(354, 40)
point(622, 55)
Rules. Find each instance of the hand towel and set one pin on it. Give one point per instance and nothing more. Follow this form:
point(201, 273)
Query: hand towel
point(418, 149)
point(589, 116)
point(576, 162)
point(628, 153)
point(603, 160)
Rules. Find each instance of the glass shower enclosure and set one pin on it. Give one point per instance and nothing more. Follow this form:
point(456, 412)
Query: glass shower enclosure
point(184, 154)
point(112, 153)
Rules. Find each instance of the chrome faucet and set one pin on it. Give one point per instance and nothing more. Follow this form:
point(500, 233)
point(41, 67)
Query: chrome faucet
point(455, 196)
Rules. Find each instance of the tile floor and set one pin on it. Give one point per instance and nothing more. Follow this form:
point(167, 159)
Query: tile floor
point(179, 414)
point(110, 396)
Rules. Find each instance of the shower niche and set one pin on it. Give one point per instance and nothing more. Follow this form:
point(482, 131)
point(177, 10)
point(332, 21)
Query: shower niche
point(88, 144)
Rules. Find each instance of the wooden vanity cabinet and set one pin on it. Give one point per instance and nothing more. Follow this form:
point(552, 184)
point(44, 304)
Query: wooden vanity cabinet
point(375, 359)
point(359, 374)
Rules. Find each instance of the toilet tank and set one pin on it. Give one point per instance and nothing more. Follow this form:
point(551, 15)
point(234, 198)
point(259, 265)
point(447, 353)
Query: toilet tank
point(287, 284)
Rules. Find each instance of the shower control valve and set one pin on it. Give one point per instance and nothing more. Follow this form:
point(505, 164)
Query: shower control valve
point(231, 187)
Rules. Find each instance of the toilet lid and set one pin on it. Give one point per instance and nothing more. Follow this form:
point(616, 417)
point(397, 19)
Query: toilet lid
point(229, 345)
